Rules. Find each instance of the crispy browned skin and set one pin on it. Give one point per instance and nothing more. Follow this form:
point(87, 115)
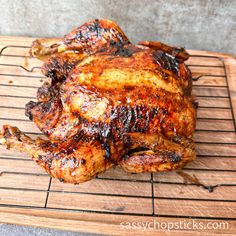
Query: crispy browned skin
point(109, 103)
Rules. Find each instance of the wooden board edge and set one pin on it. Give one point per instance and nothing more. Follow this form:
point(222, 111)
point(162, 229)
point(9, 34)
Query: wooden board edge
point(100, 223)
point(209, 53)
point(230, 67)
point(28, 41)
point(97, 223)
point(18, 39)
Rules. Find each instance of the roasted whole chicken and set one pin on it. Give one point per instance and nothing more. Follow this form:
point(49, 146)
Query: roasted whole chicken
point(109, 102)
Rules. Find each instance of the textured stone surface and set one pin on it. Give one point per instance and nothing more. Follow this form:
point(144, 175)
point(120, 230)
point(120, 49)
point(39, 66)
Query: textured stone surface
point(199, 24)
point(14, 230)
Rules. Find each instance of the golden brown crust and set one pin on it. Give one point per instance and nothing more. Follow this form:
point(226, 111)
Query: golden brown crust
point(79, 160)
point(71, 162)
point(179, 53)
point(109, 103)
point(156, 153)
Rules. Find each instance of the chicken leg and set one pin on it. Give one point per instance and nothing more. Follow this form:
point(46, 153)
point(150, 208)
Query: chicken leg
point(79, 161)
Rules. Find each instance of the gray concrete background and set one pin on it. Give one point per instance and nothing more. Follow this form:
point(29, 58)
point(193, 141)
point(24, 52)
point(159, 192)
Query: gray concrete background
point(15, 230)
point(199, 24)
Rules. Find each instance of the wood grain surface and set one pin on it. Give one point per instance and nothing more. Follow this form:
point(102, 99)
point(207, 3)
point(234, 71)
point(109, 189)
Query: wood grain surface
point(203, 192)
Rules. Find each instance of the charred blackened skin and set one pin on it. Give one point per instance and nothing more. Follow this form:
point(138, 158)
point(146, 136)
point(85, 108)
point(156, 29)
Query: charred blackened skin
point(69, 151)
point(124, 49)
point(50, 70)
point(44, 93)
point(78, 136)
point(127, 142)
point(48, 92)
point(28, 108)
point(57, 69)
point(124, 119)
point(7, 134)
point(47, 159)
point(131, 119)
point(129, 99)
point(124, 52)
point(106, 147)
point(134, 150)
point(164, 111)
point(195, 104)
point(76, 114)
point(174, 157)
point(46, 106)
point(166, 61)
point(95, 27)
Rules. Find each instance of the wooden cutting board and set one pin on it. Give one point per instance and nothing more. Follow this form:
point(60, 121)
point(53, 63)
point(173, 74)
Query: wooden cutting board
point(204, 191)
